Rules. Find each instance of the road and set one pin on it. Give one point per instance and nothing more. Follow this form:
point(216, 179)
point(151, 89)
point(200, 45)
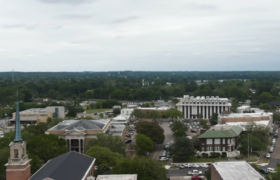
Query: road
point(168, 138)
point(275, 156)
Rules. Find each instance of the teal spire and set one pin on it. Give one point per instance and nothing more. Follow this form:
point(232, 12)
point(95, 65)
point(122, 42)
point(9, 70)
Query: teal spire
point(18, 138)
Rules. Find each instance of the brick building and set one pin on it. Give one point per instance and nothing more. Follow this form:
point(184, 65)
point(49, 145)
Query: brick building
point(220, 138)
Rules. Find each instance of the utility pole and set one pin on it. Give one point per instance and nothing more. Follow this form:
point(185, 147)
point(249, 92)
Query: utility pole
point(248, 146)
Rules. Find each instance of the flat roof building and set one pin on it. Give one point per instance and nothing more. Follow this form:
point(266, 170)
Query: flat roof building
point(117, 177)
point(193, 107)
point(234, 170)
point(37, 115)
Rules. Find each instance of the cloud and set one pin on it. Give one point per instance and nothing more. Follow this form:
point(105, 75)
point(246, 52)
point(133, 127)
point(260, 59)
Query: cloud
point(73, 16)
point(20, 26)
point(123, 20)
point(66, 1)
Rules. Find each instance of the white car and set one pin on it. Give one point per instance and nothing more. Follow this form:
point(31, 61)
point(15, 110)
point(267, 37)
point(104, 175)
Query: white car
point(274, 140)
point(196, 165)
point(163, 159)
point(187, 165)
point(267, 155)
point(271, 170)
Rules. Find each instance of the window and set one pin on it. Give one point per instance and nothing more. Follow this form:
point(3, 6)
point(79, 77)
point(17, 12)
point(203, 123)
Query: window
point(202, 148)
point(224, 141)
point(209, 148)
point(217, 148)
point(217, 141)
point(16, 153)
point(209, 141)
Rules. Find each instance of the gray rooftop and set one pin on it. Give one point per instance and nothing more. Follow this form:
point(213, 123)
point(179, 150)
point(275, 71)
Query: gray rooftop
point(236, 170)
point(81, 124)
point(70, 166)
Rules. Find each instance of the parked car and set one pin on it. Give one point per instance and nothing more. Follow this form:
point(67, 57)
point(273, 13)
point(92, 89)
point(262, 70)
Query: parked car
point(128, 135)
point(163, 159)
point(188, 165)
point(271, 170)
point(128, 141)
point(193, 131)
point(273, 140)
point(267, 155)
point(195, 172)
point(271, 150)
point(181, 167)
point(263, 171)
point(196, 165)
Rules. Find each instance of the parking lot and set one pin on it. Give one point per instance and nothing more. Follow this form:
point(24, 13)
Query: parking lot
point(184, 171)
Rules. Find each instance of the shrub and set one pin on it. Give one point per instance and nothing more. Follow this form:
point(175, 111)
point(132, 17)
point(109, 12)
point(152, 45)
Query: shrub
point(205, 155)
point(224, 154)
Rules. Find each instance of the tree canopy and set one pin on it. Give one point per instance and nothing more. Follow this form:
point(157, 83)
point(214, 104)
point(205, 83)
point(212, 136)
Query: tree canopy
point(114, 143)
point(178, 128)
point(144, 144)
point(104, 156)
point(46, 146)
point(151, 130)
point(182, 149)
point(173, 113)
point(145, 168)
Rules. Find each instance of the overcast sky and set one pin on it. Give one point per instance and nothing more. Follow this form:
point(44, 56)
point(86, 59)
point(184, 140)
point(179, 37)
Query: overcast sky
point(146, 35)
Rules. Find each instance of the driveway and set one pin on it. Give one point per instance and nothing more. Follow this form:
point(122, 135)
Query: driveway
point(168, 138)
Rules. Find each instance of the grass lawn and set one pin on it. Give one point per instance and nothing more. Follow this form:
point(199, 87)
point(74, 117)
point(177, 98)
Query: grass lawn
point(97, 110)
point(200, 160)
point(250, 159)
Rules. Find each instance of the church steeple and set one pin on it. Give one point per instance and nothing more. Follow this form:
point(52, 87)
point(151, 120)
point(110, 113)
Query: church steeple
point(18, 138)
point(18, 166)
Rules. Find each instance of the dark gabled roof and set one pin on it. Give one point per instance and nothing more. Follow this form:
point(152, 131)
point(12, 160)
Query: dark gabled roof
point(82, 124)
point(222, 133)
point(70, 166)
point(275, 103)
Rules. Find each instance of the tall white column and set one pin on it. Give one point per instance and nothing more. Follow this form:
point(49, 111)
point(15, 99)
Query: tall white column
point(189, 109)
point(207, 117)
point(185, 113)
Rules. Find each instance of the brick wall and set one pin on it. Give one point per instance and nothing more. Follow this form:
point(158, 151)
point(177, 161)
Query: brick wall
point(18, 172)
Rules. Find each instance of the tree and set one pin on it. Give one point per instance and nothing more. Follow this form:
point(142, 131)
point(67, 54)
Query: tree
point(274, 176)
point(179, 129)
point(266, 107)
point(182, 149)
point(36, 162)
point(265, 97)
point(46, 146)
point(4, 154)
point(138, 113)
point(152, 130)
point(154, 114)
point(145, 168)
point(116, 111)
point(203, 123)
point(38, 129)
point(214, 119)
point(255, 137)
point(173, 113)
point(114, 143)
point(144, 144)
point(104, 156)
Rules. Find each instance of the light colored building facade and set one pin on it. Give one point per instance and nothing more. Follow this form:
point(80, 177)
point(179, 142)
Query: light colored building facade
point(146, 110)
point(117, 177)
point(123, 118)
point(78, 132)
point(193, 107)
point(37, 115)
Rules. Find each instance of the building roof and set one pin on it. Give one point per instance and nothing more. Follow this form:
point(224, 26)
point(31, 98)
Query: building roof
point(236, 170)
point(243, 107)
point(81, 124)
point(70, 166)
point(117, 177)
point(264, 123)
point(246, 115)
point(222, 131)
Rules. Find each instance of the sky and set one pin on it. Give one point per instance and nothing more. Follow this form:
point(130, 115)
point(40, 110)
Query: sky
point(139, 35)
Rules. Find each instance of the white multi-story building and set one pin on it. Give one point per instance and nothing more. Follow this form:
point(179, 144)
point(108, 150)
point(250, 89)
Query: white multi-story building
point(193, 107)
point(123, 118)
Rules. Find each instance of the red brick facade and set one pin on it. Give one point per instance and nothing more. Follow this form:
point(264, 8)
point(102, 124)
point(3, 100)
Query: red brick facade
point(18, 172)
